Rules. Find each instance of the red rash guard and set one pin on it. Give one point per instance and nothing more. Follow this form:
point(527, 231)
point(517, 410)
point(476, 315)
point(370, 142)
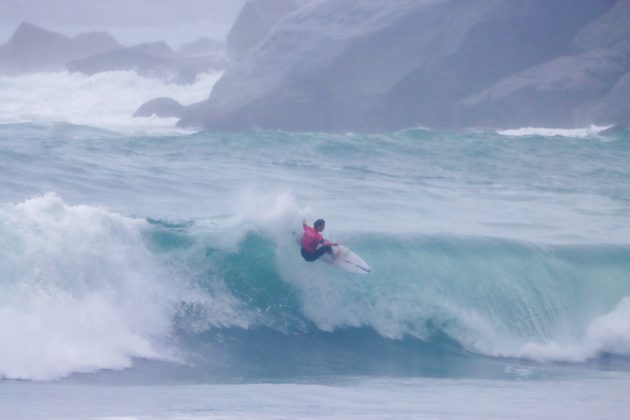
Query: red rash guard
point(311, 239)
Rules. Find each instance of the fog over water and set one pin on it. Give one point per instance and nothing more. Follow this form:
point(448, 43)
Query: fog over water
point(129, 21)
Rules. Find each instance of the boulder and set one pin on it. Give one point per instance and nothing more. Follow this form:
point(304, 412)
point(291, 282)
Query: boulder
point(160, 107)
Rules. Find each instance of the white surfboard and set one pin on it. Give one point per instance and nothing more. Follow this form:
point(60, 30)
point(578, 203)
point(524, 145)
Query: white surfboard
point(343, 259)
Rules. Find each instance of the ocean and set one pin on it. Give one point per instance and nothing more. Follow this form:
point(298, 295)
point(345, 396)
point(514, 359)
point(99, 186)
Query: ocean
point(150, 272)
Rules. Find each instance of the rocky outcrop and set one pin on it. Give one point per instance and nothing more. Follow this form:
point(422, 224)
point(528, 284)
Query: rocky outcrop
point(160, 107)
point(344, 65)
point(585, 86)
point(255, 21)
point(553, 94)
point(155, 60)
point(35, 49)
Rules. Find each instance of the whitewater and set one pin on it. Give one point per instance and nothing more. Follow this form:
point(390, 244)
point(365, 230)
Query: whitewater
point(155, 268)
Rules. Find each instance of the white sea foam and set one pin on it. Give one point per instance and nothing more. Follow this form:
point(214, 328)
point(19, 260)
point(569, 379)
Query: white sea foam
point(590, 131)
point(609, 333)
point(81, 291)
point(104, 100)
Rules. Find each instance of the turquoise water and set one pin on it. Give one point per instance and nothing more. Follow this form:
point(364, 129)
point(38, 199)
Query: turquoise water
point(157, 262)
point(485, 247)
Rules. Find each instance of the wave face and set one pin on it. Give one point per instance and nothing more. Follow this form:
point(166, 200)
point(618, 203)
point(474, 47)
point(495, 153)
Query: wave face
point(87, 289)
point(491, 296)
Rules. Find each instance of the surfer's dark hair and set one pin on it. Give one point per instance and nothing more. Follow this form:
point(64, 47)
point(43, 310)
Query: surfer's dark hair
point(319, 222)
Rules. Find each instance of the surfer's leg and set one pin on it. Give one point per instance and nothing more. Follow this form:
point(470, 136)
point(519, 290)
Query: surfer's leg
point(309, 256)
point(324, 250)
point(312, 256)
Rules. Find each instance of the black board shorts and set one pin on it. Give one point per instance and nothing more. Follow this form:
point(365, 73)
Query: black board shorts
point(312, 256)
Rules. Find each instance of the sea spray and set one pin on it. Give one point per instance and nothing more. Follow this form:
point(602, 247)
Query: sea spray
point(81, 291)
point(104, 100)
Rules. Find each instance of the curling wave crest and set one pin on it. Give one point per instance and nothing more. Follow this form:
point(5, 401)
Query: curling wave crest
point(84, 288)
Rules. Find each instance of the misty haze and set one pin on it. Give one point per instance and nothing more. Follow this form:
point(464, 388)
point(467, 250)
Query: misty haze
point(314, 209)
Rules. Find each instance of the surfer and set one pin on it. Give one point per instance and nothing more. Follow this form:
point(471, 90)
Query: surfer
point(313, 238)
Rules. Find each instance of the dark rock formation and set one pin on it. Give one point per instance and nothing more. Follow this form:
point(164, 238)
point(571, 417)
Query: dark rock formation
point(156, 60)
point(587, 85)
point(160, 107)
point(370, 65)
point(34, 49)
point(553, 94)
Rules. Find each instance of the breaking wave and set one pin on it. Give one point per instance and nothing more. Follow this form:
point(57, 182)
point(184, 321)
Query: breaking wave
point(84, 288)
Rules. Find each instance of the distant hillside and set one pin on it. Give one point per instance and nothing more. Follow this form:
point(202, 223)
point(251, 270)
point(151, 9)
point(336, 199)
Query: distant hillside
point(35, 49)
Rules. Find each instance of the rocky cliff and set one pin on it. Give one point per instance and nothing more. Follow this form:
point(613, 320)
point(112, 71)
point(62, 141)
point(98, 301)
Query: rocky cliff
point(375, 65)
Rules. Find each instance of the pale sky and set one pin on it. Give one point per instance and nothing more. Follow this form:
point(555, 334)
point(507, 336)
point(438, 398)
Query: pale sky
point(130, 21)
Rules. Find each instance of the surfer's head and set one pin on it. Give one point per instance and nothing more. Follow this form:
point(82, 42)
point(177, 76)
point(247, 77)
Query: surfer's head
point(319, 225)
